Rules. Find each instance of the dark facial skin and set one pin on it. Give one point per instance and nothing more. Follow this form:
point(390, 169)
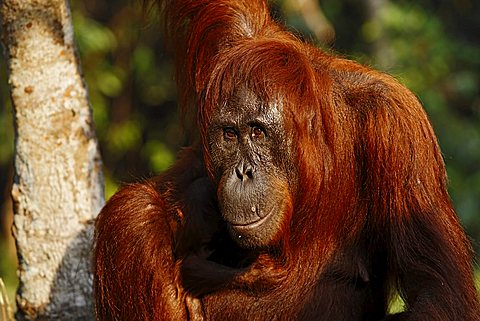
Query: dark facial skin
point(251, 155)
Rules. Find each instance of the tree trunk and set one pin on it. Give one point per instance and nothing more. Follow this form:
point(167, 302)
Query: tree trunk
point(58, 186)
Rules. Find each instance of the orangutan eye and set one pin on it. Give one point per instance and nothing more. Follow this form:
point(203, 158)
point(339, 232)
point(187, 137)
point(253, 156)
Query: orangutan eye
point(258, 132)
point(229, 133)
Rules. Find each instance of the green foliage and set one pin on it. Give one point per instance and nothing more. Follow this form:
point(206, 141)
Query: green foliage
point(111, 186)
point(6, 120)
point(91, 36)
point(7, 273)
point(131, 91)
point(123, 136)
point(161, 158)
point(397, 305)
point(6, 134)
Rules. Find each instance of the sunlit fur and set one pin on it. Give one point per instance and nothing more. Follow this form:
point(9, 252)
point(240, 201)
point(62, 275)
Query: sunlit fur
point(371, 207)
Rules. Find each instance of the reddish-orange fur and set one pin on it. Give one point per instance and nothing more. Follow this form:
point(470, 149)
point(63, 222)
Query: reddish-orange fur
point(371, 213)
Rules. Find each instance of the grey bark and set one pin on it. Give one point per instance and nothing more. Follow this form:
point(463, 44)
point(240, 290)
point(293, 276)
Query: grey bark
point(58, 186)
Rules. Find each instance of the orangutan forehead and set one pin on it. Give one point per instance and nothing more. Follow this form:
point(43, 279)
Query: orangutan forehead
point(244, 101)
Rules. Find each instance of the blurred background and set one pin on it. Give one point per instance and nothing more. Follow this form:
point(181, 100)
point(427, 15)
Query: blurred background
point(432, 46)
